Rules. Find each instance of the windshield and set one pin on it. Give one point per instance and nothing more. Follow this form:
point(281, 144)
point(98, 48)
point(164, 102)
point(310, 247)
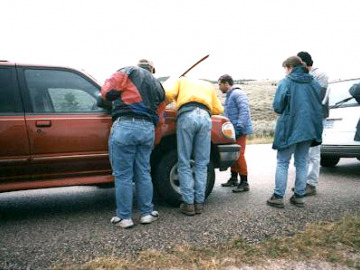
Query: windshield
point(340, 91)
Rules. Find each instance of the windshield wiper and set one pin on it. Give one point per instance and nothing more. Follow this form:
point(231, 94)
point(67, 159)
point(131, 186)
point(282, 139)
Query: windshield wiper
point(337, 104)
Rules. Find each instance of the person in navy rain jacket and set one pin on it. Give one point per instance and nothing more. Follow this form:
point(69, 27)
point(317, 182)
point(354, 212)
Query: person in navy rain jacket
point(299, 126)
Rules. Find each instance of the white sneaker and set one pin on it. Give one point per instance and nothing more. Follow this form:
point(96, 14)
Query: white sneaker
point(121, 222)
point(154, 215)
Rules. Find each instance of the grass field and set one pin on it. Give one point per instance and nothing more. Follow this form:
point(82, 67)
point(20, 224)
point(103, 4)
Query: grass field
point(261, 95)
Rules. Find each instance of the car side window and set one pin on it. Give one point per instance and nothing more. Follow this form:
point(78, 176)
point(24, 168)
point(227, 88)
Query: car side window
point(71, 100)
point(339, 91)
point(10, 101)
point(60, 91)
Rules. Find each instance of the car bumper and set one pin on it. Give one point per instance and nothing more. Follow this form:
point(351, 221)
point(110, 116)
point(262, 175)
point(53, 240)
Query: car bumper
point(228, 154)
point(340, 150)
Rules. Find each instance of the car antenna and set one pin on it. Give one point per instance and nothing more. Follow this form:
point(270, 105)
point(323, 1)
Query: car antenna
point(198, 62)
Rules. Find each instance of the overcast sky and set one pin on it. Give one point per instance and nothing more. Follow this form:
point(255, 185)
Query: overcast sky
point(246, 39)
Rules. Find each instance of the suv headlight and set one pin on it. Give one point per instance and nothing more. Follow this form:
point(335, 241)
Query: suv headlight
point(228, 130)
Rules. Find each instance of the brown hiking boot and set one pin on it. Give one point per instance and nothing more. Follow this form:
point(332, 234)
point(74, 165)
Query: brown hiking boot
point(297, 201)
point(310, 190)
point(230, 183)
point(242, 187)
point(199, 208)
point(187, 209)
point(233, 180)
point(276, 202)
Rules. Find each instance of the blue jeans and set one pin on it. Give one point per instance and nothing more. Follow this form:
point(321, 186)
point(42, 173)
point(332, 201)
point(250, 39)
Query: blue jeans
point(300, 151)
point(130, 146)
point(193, 137)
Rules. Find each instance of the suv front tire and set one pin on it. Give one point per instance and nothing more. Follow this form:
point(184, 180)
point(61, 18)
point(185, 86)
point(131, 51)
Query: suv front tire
point(166, 178)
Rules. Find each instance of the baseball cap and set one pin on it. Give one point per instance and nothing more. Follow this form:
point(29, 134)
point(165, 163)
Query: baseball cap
point(146, 64)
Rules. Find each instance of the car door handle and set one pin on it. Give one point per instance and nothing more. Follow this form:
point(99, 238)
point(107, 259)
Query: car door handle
point(334, 119)
point(43, 123)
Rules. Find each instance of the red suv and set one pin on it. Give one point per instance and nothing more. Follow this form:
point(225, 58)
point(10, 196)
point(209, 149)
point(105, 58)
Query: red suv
point(53, 133)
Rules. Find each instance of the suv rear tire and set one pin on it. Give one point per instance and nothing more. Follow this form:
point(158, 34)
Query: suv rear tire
point(166, 180)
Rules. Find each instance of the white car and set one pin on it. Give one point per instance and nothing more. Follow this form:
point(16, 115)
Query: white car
point(340, 127)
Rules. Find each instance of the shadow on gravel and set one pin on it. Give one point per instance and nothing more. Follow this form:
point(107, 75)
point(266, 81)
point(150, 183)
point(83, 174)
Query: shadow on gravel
point(60, 202)
point(44, 203)
point(352, 169)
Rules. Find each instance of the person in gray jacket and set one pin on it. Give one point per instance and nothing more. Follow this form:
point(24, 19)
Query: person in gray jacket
point(314, 152)
point(238, 111)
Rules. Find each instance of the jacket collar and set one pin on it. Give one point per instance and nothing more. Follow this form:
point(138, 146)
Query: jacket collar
point(231, 89)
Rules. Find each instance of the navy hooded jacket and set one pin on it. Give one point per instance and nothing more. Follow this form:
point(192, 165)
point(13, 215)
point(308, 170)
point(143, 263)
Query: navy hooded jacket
point(298, 101)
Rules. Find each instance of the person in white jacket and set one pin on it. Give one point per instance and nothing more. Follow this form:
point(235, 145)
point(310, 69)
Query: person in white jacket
point(314, 152)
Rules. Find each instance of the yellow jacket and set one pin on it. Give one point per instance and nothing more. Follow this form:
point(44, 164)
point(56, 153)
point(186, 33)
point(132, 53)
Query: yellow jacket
point(185, 90)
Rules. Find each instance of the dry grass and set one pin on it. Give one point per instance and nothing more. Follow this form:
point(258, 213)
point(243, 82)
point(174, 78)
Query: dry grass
point(261, 95)
point(336, 242)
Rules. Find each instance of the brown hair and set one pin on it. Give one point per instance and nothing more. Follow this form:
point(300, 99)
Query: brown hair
point(293, 61)
point(226, 78)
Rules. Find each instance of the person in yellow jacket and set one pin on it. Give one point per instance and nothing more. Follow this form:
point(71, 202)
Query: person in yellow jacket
point(196, 101)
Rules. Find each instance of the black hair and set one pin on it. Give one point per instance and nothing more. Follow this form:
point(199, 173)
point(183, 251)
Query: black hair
point(306, 58)
point(226, 79)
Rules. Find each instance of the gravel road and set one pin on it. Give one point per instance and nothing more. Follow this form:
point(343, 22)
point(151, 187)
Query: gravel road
point(40, 228)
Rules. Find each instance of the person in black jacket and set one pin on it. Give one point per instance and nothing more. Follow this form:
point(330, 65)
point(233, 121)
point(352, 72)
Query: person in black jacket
point(355, 92)
point(138, 104)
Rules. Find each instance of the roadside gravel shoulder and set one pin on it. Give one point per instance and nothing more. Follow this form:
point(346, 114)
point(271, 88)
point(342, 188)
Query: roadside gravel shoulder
point(292, 265)
point(41, 228)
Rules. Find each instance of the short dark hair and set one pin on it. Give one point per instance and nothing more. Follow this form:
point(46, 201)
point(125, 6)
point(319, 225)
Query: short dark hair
point(306, 58)
point(226, 78)
point(293, 61)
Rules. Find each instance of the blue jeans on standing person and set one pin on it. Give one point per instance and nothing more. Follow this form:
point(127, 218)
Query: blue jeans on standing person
point(300, 151)
point(130, 146)
point(193, 137)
